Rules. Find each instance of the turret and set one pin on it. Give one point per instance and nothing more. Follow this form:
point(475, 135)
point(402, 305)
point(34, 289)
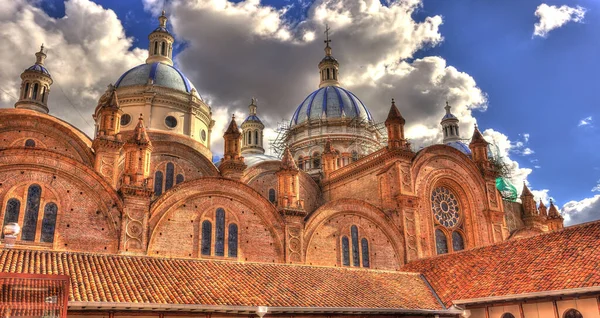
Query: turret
point(330, 159)
point(232, 164)
point(329, 66)
point(450, 126)
point(160, 43)
point(479, 151)
point(138, 150)
point(528, 202)
point(288, 186)
point(395, 128)
point(555, 220)
point(107, 143)
point(35, 85)
point(252, 128)
point(542, 209)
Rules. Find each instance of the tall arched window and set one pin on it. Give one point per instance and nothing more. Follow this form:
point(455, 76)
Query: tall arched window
point(328, 76)
point(32, 210)
point(206, 237)
point(300, 163)
point(441, 243)
point(249, 137)
point(26, 91)
point(316, 160)
point(35, 90)
point(364, 244)
point(572, 313)
point(49, 222)
point(232, 240)
point(162, 49)
point(43, 94)
point(272, 195)
point(256, 137)
point(508, 315)
point(155, 48)
point(158, 180)
point(11, 214)
point(169, 176)
point(345, 251)
point(179, 179)
point(458, 243)
point(220, 233)
point(354, 234)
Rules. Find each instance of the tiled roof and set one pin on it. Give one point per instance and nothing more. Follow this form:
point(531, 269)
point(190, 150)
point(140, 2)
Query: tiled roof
point(566, 259)
point(144, 279)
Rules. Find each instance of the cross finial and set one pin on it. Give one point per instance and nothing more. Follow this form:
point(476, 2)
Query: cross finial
point(327, 41)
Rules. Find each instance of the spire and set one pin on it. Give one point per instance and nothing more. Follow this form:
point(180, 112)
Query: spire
point(233, 127)
point(140, 136)
point(542, 208)
point(477, 138)
point(553, 211)
point(394, 115)
point(329, 147)
point(287, 162)
point(526, 192)
point(448, 109)
point(160, 47)
point(252, 127)
point(329, 66)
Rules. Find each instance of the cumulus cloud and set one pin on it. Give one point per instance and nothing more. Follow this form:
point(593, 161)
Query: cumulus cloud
point(585, 122)
point(502, 148)
point(553, 17)
point(585, 210)
point(87, 50)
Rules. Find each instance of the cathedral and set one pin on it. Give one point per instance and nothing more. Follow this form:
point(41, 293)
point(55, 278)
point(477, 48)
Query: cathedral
point(349, 220)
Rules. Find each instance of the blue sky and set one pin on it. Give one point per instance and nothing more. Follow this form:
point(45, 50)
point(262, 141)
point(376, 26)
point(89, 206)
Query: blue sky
point(538, 89)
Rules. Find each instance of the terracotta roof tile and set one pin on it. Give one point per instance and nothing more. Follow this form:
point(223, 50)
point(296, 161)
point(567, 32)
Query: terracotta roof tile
point(565, 259)
point(144, 279)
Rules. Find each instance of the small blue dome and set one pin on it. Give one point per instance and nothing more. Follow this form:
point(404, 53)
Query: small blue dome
point(460, 146)
point(38, 68)
point(330, 102)
point(161, 74)
point(252, 118)
point(449, 116)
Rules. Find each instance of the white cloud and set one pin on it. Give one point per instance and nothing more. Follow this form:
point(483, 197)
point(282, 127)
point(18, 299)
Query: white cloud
point(552, 17)
point(87, 50)
point(585, 210)
point(597, 187)
point(585, 122)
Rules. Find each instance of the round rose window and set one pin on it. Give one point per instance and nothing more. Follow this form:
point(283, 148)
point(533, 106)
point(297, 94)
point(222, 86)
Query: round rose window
point(445, 207)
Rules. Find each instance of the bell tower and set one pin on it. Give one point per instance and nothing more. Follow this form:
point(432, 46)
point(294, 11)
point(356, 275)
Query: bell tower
point(252, 129)
point(450, 126)
point(35, 85)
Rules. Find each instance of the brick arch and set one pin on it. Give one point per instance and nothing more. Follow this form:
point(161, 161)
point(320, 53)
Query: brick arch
point(359, 208)
point(222, 188)
point(437, 152)
point(456, 172)
point(24, 122)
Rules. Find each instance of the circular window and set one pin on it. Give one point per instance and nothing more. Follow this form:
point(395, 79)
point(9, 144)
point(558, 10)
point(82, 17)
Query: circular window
point(445, 207)
point(203, 135)
point(125, 119)
point(171, 121)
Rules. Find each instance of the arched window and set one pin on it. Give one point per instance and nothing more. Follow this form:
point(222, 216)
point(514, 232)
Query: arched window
point(316, 160)
point(334, 74)
point(35, 90)
point(508, 315)
point(249, 137)
point(458, 243)
point(365, 252)
point(354, 234)
point(30, 143)
point(345, 251)
point(26, 92)
point(32, 210)
point(11, 214)
point(169, 176)
point(162, 49)
point(155, 48)
point(43, 94)
point(256, 137)
point(300, 163)
point(272, 195)
point(49, 222)
point(232, 240)
point(220, 233)
point(158, 180)
point(572, 313)
point(206, 237)
point(328, 76)
point(179, 179)
point(441, 243)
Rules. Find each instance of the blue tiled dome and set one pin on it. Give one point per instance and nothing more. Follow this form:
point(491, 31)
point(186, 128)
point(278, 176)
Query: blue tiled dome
point(330, 102)
point(39, 68)
point(449, 116)
point(162, 74)
point(253, 118)
point(460, 146)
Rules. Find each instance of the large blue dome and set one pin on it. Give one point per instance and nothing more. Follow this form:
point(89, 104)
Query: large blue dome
point(330, 102)
point(161, 74)
point(460, 146)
